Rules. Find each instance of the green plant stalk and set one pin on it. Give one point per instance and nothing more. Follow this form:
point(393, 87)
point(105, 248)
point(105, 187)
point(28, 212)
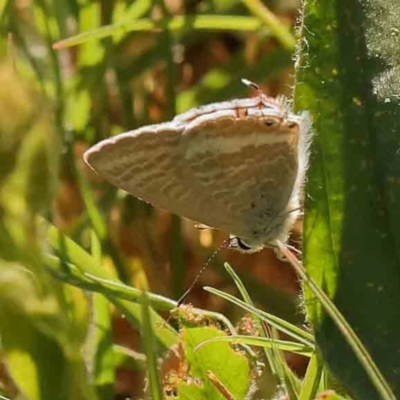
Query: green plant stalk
point(99, 344)
point(115, 290)
point(100, 283)
point(149, 343)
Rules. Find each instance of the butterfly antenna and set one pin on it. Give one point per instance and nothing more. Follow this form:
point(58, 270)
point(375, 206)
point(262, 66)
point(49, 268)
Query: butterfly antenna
point(252, 85)
point(203, 268)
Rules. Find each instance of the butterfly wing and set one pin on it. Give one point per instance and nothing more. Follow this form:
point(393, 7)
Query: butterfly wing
point(231, 165)
point(148, 164)
point(248, 167)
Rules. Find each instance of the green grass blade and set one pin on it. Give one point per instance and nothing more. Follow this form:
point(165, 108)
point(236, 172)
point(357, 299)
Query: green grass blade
point(311, 381)
point(99, 343)
point(280, 324)
point(273, 353)
point(72, 253)
point(199, 22)
point(97, 282)
point(347, 331)
point(282, 345)
point(124, 357)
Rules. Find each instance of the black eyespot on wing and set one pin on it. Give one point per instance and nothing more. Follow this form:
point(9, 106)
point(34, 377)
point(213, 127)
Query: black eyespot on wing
point(269, 122)
point(292, 125)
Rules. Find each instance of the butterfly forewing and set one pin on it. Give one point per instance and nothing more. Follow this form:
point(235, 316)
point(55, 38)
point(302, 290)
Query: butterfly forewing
point(147, 164)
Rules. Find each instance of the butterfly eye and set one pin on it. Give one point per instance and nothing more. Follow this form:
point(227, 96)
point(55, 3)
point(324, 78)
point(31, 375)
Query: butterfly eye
point(237, 243)
point(270, 122)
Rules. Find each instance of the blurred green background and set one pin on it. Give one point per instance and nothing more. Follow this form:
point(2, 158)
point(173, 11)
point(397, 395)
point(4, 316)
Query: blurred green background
point(132, 63)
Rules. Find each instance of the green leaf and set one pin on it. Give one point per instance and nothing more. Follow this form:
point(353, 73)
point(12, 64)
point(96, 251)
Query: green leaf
point(38, 334)
point(356, 345)
point(210, 362)
point(346, 78)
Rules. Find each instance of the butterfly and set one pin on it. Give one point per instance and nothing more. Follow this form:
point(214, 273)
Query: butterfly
point(237, 166)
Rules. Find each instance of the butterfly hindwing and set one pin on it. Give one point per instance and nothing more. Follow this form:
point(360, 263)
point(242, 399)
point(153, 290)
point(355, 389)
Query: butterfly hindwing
point(247, 167)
